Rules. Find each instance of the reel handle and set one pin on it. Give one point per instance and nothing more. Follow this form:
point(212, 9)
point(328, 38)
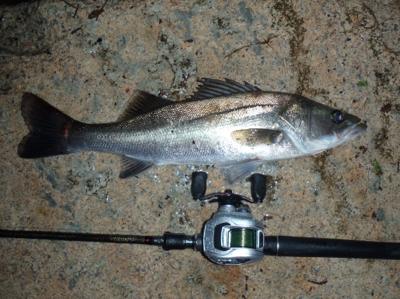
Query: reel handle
point(258, 188)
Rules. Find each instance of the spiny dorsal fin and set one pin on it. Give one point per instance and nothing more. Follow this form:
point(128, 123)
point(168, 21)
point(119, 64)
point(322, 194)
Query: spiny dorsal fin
point(253, 137)
point(142, 102)
point(210, 88)
point(131, 166)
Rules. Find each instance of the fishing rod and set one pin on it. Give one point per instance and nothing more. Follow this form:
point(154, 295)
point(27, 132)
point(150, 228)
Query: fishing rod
point(232, 236)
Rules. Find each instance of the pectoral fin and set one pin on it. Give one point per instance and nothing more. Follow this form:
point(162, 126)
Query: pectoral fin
point(131, 166)
point(253, 137)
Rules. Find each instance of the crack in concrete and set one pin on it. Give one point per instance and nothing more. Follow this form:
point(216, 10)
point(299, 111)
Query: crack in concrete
point(297, 50)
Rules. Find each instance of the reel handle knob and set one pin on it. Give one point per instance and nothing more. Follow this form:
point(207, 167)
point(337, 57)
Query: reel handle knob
point(258, 187)
point(199, 185)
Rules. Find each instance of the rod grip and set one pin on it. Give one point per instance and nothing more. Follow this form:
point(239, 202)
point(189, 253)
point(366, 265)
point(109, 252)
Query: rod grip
point(337, 248)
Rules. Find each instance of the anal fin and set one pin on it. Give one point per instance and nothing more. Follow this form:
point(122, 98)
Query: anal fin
point(131, 167)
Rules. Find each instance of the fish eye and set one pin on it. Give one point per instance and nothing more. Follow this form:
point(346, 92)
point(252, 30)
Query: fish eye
point(337, 117)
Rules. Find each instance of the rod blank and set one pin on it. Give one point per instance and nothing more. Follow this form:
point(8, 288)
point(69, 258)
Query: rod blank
point(168, 241)
point(82, 237)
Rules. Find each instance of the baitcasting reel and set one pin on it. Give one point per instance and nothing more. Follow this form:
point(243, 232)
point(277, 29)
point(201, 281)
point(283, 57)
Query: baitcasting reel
point(232, 236)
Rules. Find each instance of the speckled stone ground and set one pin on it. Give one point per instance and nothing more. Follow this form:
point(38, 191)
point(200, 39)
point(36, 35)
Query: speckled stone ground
point(343, 53)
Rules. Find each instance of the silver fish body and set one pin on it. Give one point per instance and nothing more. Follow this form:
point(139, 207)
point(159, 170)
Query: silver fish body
point(225, 124)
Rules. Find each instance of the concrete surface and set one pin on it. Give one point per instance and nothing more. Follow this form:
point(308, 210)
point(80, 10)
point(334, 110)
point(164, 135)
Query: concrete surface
point(342, 53)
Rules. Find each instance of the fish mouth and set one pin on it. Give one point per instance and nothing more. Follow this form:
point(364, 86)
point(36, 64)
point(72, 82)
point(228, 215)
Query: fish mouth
point(354, 131)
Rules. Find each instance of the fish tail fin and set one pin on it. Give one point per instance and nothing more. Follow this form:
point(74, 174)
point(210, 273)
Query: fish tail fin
point(49, 129)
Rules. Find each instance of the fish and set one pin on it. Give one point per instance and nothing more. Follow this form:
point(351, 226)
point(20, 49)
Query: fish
point(232, 125)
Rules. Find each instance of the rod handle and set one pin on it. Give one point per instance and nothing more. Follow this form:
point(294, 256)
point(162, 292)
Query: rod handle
point(337, 248)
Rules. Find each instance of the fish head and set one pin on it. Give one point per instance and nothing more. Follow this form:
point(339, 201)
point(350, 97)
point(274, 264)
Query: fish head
point(314, 127)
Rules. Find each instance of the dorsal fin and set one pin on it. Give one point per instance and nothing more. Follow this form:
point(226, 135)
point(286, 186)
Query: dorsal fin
point(210, 88)
point(143, 102)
